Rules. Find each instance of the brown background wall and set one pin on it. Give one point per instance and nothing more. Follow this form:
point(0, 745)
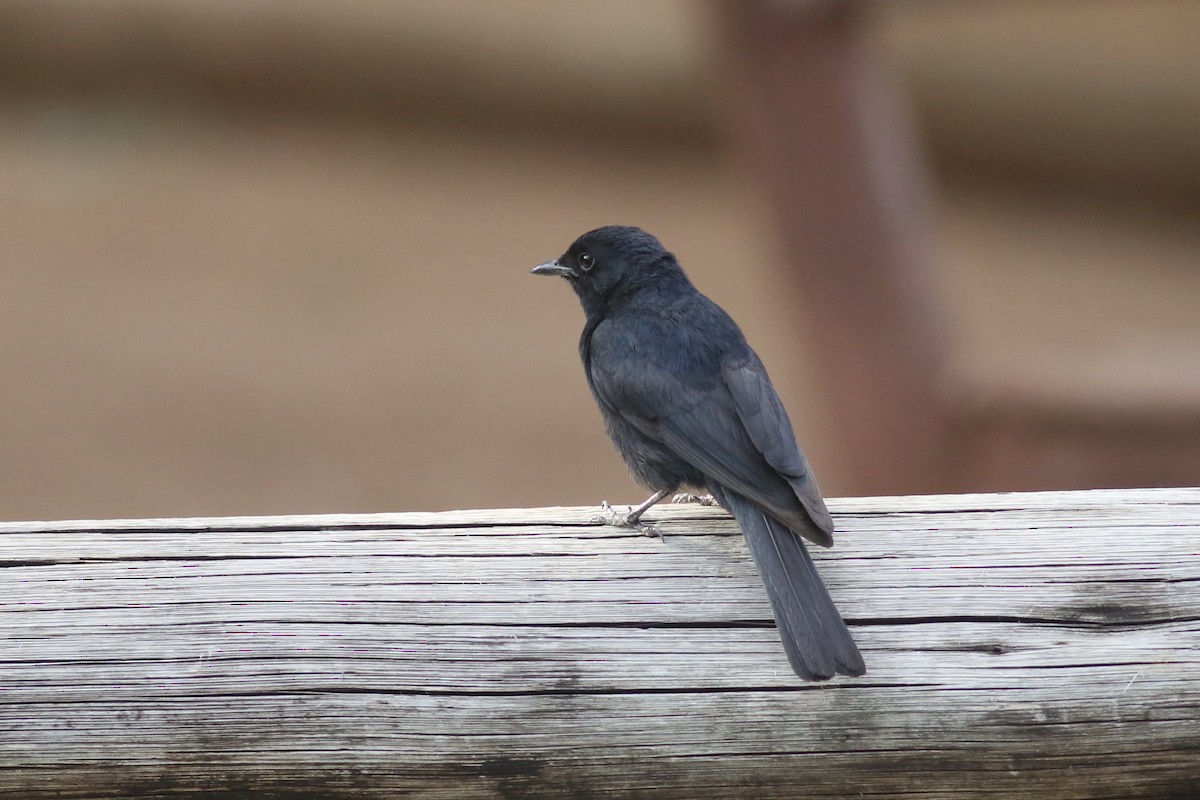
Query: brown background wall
point(274, 259)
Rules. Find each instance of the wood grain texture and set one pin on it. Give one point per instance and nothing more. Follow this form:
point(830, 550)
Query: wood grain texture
point(1022, 645)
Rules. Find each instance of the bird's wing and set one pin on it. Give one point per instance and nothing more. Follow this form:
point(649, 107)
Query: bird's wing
point(767, 424)
point(720, 424)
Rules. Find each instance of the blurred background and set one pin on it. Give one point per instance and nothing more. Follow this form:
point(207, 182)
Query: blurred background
point(273, 257)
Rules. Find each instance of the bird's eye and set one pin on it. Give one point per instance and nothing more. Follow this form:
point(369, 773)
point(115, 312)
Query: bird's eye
point(586, 261)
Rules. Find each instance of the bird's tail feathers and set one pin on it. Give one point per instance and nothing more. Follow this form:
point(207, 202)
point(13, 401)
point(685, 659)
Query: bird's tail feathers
point(816, 639)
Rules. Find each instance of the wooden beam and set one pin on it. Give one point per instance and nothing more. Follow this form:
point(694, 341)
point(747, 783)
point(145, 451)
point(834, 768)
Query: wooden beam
point(1024, 645)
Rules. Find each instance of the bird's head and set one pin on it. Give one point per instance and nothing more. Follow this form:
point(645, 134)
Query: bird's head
point(609, 262)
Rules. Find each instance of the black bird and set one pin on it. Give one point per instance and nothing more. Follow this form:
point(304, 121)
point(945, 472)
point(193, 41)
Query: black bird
point(688, 403)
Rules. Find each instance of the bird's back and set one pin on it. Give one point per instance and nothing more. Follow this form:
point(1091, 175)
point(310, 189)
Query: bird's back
point(673, 364)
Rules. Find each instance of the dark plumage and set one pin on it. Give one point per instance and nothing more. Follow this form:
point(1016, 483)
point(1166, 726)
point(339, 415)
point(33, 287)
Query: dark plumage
point(688, 403)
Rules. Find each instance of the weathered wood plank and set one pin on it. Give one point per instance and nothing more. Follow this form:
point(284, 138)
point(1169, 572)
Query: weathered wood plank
point(1028, 645)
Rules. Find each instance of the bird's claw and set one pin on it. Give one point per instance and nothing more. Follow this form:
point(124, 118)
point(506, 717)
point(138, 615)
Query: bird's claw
point(609, 517)
point(650, 530)
point(702, 499)
point(619, 520)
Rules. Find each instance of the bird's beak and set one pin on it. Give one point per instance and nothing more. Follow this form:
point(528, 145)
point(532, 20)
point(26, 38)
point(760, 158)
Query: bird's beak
point(554, 268)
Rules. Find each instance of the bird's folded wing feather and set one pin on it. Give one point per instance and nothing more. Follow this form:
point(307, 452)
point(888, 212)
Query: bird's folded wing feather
point(766, 422)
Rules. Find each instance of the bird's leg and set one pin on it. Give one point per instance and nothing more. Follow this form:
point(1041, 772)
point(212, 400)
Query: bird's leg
point(702, 499)
point(632, 519)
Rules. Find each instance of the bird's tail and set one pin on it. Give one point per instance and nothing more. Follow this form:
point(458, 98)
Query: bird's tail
point(816, 639)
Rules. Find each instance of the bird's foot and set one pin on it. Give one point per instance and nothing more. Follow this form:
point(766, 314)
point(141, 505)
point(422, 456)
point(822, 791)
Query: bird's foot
point(627, 520)
point(702, 499)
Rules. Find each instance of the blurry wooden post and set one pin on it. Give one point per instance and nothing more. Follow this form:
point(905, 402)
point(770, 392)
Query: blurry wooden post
point(825, 134)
